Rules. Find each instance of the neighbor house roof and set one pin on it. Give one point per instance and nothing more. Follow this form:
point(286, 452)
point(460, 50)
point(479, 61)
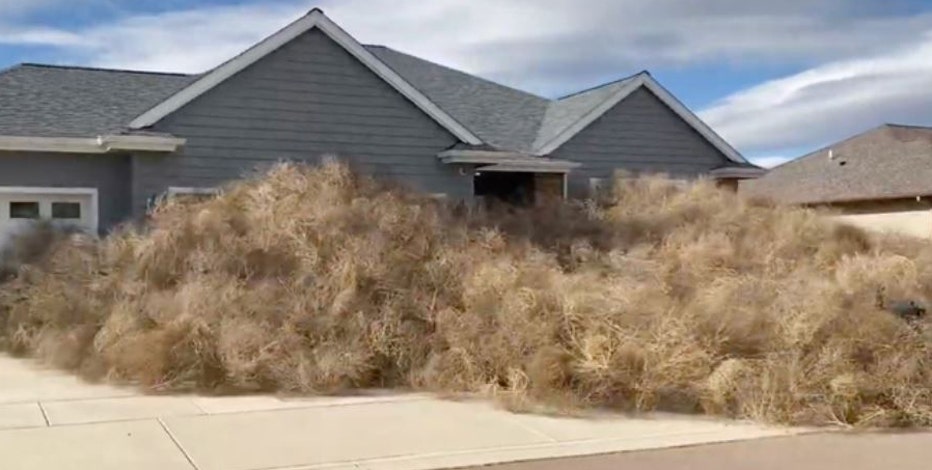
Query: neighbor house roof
point(71, 101)
point(889, 162)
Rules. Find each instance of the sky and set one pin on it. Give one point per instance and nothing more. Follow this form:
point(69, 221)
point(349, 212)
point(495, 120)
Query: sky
point(775, 78)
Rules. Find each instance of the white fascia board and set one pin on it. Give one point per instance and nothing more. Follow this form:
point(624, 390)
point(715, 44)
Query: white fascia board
point(50, 144)
point(515, 161)
point(317, 19)
point(190, 190)
point(667, 98)
point(524, 168)
point(737, 172)
point(491, 155)
point(90, 145)
point(144, 143)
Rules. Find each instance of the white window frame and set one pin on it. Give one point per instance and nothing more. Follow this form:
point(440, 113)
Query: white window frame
point(94, 216)
point(191, 190)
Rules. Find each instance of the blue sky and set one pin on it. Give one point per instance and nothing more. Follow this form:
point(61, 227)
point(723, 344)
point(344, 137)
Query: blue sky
point(776, 79)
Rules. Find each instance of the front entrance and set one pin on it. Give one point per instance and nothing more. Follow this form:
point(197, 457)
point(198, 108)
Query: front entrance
point(519, 188)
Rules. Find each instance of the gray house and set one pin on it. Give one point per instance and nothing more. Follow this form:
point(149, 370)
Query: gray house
point(96, 146)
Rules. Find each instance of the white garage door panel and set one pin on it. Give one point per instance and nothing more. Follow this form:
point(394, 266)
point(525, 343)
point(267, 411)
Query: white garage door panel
point(55, 204)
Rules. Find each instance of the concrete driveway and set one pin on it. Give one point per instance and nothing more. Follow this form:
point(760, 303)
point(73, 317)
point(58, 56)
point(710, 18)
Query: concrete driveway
point(50, 420)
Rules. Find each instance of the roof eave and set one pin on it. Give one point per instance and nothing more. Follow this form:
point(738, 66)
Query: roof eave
point(737, 172)
point(91, 145)
point(507, 161)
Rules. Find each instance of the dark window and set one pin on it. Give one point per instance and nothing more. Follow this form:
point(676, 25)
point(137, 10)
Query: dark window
point(24, 210)
point(512, 188)
point(66, 210)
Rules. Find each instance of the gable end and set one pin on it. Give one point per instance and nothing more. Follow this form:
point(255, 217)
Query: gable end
point(315, 19)
point(643, 82)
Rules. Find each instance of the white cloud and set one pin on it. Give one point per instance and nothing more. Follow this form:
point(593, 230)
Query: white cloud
point(549, 46)
point(770, 161)
point(830, 101)
point(554, 46)
point(188, 40)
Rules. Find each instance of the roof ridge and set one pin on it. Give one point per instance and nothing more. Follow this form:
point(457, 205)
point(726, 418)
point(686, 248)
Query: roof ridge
point(478, 77)
point(598, 87)
point(907, 126)
point(99, 69)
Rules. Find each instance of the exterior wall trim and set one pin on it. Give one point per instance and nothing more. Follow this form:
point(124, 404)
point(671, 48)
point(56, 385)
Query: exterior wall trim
point(92, 192)
point(90, 145)
point(647, 81)
point(513, 161)
point(314, 19)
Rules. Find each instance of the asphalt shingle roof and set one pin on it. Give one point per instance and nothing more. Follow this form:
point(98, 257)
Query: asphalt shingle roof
point(891, 161)
point(501, 116)
point(45, 100)
point(54, 101)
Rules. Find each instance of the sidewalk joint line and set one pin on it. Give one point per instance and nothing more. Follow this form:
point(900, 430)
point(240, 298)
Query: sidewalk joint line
point(45, 414)
point(177, 444)
point(527, 427)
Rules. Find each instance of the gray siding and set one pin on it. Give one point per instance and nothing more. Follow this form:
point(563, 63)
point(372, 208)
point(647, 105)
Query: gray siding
point(110, 174)
point(305, 100)
point(640, 135)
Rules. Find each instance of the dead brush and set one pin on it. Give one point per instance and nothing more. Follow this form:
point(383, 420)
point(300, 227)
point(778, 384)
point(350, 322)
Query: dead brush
point(316, 280)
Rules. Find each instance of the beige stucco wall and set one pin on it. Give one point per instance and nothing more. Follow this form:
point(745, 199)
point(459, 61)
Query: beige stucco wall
point(908, 217)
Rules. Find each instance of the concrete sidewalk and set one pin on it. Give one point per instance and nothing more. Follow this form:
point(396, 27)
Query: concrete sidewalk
point(50, 420)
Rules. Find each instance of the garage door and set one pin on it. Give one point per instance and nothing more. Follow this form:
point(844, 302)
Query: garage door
point(22, 207)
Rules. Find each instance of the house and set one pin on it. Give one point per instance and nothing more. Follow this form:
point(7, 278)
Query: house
point(95, 146)
point(880, 180)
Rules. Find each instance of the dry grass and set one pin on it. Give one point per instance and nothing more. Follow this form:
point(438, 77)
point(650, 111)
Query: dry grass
point(318, 281)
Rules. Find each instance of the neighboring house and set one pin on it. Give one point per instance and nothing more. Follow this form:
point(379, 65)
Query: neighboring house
point(880, 180)
point(97, 146)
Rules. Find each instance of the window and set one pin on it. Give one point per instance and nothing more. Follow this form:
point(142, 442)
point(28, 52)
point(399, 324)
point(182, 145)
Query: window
point(24, 210)
point(66, 210)
point(599, 186)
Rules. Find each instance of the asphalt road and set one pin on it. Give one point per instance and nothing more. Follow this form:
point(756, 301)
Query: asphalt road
point(847, 451)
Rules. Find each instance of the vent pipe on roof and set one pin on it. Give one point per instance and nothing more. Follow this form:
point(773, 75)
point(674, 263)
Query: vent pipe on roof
point(831, 154)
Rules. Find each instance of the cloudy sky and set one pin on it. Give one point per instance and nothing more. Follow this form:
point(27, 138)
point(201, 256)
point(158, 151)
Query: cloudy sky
point(776, 78)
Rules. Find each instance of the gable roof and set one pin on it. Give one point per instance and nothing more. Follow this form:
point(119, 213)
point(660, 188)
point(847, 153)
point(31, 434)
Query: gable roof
point(53, 101)
point(501, 116)
point(515, 120)
point(888, 162)
point(314, 19)
point(81, 101)
point(606, 98)
point(563, 113)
